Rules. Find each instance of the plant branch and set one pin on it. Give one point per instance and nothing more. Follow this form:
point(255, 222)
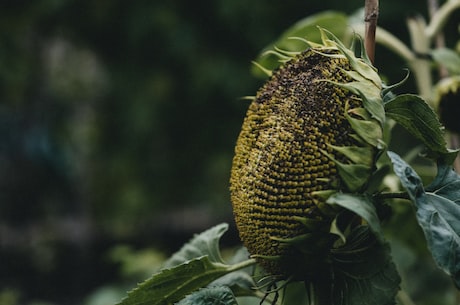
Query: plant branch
point(440, 17)
point(243, 264)
point(371, 14)
point(421, 45)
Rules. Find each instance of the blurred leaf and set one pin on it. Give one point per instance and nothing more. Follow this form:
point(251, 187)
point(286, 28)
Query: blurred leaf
point(239, 255)
point(364, 272)
point(447, 58)
point(335, 22)
point(195, 266)
point(438, 212)
point(417, 117)
point(103, 296)
point(210, 296)
point(172, 285)
point(353, 175)
point(446, 183)
point(360, 205)
point(206, 243)
point(240, 282)
point(136, 263)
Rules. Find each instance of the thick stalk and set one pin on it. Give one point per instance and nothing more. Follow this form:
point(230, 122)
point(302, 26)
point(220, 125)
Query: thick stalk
point(371, 14)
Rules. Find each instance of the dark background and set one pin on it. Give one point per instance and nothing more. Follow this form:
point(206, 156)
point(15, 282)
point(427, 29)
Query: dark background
point(117, 126)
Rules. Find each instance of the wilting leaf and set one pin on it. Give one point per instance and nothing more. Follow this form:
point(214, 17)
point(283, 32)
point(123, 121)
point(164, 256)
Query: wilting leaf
point(360, 205)
point(307, 28)
point(364, 272)
point(438, 212)
point(369, 130)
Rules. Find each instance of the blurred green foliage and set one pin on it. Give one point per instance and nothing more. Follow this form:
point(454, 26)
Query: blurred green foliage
point(115, 115)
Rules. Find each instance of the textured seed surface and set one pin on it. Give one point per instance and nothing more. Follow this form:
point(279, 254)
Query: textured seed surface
point(278, 161)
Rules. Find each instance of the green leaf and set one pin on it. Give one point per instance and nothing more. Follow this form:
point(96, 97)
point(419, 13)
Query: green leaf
point(360, 205)
point(415, 115)
point(205, 243)
point(358, 155)
point(361, 66)
point(210, 296)
point(438, 212)
point(367, 129)
point(240, 282)
point(353, 175)
point(172, 285)
point(335, 22)
point(370, 94)
point(189, 272)
point(446, 183)
point(447, 58)
point(364, 272)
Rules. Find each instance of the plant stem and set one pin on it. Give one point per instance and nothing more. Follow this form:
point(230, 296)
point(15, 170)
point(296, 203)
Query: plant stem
point(393, 195)
point(441, 16)
point(421, 66)
point(371, 14)
point(243, 264)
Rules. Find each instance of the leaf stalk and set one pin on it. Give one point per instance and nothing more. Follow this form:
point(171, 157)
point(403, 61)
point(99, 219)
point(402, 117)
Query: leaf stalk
point(392, 195)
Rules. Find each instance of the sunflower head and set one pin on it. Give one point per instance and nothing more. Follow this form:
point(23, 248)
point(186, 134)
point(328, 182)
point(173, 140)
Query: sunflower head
point(314, 128)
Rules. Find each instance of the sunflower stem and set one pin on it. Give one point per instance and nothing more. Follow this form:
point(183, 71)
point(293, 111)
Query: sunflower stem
point(371, 14)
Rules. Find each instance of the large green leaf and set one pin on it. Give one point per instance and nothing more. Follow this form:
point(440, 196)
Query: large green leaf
point(205, 243)
point(438, 212)
point(172, 285)
point(415, 115)
point(360, 205)
point(195, 266)
point(364, 272)
point(210, 296)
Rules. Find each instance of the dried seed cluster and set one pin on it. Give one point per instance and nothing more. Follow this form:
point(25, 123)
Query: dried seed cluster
point(280, 158)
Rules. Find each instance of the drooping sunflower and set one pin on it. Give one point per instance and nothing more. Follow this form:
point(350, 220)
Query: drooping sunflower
point(313, 129)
